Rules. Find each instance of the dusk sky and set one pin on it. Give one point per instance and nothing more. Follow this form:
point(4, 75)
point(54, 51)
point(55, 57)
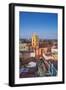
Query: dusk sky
point(45, 25)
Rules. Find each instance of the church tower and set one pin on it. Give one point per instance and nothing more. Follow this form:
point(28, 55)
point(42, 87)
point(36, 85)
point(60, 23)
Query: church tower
point(35, 41)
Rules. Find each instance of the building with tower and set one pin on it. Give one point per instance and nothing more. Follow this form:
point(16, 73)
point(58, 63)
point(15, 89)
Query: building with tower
point(35, 41)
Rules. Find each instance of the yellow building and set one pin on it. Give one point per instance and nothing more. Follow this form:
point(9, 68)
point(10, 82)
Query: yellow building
point(35, 41)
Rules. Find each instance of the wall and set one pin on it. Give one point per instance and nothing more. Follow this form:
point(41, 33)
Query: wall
point(4, 45)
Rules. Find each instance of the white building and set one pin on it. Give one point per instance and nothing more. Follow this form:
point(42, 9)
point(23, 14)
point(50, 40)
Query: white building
point(23, 47)
point(53, 50)
point(32, 54)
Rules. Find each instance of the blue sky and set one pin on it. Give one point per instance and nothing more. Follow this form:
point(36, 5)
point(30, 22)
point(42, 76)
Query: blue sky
point(42, 24)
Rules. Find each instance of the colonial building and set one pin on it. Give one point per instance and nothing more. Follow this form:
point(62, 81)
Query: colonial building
point(39, 47)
